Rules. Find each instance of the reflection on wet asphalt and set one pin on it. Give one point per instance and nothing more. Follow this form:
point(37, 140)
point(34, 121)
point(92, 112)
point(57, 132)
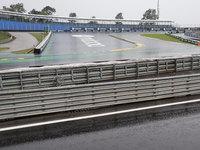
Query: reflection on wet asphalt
point(67, 48)
point(174, 128)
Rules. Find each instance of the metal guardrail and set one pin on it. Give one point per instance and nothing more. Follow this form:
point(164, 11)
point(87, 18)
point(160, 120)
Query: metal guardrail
point(183, 39)
point(50, 100)
point(193, 34)
point(39, 49)
point(64, 75)
point(6, 40)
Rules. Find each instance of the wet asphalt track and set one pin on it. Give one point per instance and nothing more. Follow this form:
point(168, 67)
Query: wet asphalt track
point(66, 48)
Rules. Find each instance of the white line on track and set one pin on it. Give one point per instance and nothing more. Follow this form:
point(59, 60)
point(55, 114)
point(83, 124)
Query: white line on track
point(94, 116)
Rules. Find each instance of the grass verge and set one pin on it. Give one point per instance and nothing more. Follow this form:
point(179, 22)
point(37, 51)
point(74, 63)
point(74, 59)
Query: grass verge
point(3, 49)
point(38, 36)
point(23, 51)
point(163, 37)
point(3, 36)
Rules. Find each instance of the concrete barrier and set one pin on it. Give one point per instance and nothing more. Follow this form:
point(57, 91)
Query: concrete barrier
point(39, 49)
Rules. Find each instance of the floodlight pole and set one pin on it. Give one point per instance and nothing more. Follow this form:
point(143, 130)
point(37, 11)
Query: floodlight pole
point(158, 10)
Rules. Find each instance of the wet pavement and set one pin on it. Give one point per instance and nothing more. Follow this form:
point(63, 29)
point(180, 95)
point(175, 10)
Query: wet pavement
point(67, 48)
point(23, 41)
point(173, 128)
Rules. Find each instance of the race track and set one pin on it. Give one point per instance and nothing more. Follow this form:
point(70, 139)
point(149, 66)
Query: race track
point(67, 48)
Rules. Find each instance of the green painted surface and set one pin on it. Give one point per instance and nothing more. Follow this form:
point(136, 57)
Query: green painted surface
point(88, 55)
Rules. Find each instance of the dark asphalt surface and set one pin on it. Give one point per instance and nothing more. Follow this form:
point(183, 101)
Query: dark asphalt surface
point(171, 128)
point(166, 128)
point(67, 48)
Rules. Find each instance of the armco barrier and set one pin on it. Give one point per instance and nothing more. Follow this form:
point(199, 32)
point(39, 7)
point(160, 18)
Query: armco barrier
point(39, 49)
point(16, 104)
point(64, 75)
point(6, 40)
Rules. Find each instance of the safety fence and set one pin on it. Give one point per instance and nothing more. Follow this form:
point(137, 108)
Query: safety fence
point(188, 40)
point(14, 104)
point(6, 40)
point(193, 34)
point(64, 75)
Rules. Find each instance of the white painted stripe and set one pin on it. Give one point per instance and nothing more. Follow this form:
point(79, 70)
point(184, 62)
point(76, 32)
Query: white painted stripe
point(95, 116)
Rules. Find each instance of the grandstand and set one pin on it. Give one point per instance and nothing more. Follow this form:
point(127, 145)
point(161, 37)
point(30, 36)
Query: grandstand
point(31, 22)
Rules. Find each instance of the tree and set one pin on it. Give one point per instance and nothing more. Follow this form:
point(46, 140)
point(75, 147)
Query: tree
point(150, 15)
point(19, 7)
point(72, 15)
point(119, 16)
point(93, 22)
point(37, 12)
point(49, 10)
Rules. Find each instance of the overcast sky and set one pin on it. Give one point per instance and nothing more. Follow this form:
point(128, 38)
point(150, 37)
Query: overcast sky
point(184, 12)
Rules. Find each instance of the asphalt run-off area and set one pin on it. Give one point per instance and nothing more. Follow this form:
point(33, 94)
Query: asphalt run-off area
point(68, 48)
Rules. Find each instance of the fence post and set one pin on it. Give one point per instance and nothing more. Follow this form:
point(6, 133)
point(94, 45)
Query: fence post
point(192, 62)
point(1, 83)
point(72, 72)
point(39, 78)
point(101, 73)
point(114, 71)
point(88, 78)
point(126, 70)
point(21, 80)
point(175, 65)
point(137, 65)
point(158, 67)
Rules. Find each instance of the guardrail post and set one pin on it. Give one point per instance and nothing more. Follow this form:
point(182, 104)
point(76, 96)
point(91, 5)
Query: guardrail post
point(183, 64)
point(147, 67)
point(166, 65)
point(39, 79)
point(88, 78)
point(192, 62)
point(137, 65)
point(175, 65)
point(114, 71)
point(101, 73)
point(21, 81)
point(72, 72)
point(126, 70)
point(158, 67)
point(1, 83)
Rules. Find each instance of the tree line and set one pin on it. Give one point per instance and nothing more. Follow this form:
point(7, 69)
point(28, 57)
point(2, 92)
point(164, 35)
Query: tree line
point(150, 14)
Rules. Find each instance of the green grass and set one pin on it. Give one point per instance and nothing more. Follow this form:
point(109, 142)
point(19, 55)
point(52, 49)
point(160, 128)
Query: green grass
point(3, 36)
point(38, 36)
point(163, 37)
point(3, 49)
point(23, 51)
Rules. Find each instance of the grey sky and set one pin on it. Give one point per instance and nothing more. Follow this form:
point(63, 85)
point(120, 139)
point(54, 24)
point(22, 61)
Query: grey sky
point(184, 12)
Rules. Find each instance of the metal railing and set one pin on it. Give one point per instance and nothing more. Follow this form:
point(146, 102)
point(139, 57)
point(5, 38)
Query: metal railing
point(14, 104)
point(193, 34)
point(192, 41)
point(64, 75)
